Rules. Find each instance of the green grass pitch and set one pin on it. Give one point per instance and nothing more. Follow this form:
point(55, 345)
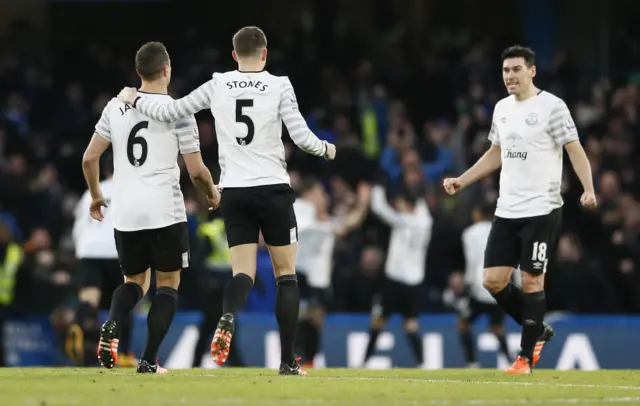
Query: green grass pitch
point(323, 387)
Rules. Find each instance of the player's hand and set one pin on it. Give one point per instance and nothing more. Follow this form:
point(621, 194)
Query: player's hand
point(128, 95)
point(588, 200)
point(95, 209)
point(452, 185)
point(214, 200)
point(331, 152)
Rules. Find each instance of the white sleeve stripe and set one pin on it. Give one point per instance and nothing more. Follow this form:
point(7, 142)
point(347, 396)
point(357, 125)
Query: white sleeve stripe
point(294, 120)
point(197, 100)
point(556, 127)
point(558, 117)
point(188, 143)
point(296, 125)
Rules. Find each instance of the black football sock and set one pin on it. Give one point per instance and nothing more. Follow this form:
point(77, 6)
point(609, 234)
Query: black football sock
point(287, 309)
point(510, 299)
point(125, 298)
point(84, 311)
point(467, 347)
point(416, 346)
point(125, 334)
point(236, 293)
point(502, 342)
point(371, 345)
point(163, 308)
point(532, 316)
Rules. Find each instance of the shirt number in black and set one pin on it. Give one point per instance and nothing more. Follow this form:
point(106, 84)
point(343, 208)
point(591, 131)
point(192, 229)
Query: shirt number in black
point(243, 118)
point(133, 140)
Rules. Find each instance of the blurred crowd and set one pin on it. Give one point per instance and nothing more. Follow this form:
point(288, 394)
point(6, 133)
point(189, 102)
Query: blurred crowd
point(397, 118)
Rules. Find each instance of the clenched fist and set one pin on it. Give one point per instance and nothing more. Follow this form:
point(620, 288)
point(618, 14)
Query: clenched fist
point(331, 151)
point(452, 185)
point(588, 200)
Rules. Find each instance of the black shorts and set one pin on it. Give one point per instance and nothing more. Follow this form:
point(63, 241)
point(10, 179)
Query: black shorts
point(162, 249)
point(529, 242)
point(249, 210)
point(396, 297)
point(476, 308)
point(103, 274)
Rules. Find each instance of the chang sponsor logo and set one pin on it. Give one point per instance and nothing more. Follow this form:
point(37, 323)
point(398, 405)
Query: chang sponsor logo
point(513, 152)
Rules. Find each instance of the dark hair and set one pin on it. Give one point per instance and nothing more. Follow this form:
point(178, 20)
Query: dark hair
point(151, 58)
point(248, 41)
point(519, 51)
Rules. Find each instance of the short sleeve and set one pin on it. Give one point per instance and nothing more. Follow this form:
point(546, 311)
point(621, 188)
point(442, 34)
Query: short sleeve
point(103, 128)
point(494, 136)
point(186, 130)
point(562, 129)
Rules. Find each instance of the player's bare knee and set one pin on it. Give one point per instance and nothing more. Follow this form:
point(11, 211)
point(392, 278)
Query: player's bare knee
point(243, 260)
point(283, 259)
point(143, 279)
point(496, 279)
point(278, 272)
point(168, 279)
point(90, 295)
point(410, 325)
point(532, 282)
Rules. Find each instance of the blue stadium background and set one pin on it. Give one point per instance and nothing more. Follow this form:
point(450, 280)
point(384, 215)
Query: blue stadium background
point(429, 68)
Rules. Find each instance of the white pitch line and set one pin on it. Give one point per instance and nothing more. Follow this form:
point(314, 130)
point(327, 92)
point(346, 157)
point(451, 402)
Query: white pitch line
point(306, 401)
point(455, 381)
point(434, 402)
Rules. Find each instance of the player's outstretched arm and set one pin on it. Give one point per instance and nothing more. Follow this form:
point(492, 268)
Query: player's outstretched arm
point(381, 208)
point(355, 217)
point(195, 101)
point(488, 163)
point(298, 129)
point(582, 167)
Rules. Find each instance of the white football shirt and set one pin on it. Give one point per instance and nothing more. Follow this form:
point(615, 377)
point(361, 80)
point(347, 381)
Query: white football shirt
point(474, 242)
point(410, 237)
point(146, 178)
point(249, 108)
point(316, 240)
point(531, 135)
point(92, 238)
